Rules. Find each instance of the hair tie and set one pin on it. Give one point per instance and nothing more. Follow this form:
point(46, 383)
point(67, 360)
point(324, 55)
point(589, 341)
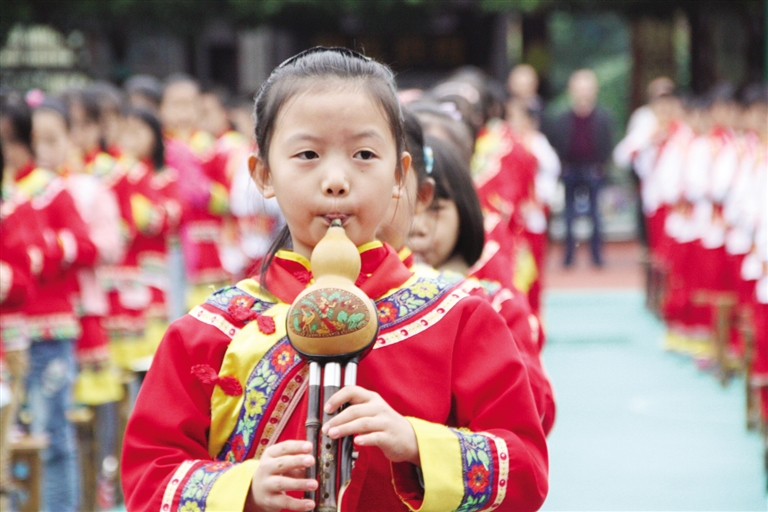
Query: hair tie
point(429, 159)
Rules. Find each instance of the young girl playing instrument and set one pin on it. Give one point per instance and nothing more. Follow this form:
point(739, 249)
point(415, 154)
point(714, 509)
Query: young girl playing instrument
point(443, 414)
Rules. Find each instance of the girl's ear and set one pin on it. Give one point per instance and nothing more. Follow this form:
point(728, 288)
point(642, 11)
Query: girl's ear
point(260, 176)
point(405, 165)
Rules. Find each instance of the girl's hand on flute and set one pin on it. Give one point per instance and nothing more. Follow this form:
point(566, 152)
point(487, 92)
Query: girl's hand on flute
point(374, 423)
point(281, 469)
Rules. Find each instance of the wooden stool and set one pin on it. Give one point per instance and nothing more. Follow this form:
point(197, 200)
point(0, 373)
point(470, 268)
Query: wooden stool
point(83, 418)
point(751, 389)
point(27, 470)
point(723, 304)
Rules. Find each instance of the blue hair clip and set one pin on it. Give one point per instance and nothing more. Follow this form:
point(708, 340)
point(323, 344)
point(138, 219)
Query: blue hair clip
point(429, 159)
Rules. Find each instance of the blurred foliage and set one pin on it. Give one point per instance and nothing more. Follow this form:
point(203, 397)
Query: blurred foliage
point(183, 16)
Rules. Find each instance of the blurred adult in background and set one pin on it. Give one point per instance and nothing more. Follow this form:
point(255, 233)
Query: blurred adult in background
point(582, 138)
point(523, 85)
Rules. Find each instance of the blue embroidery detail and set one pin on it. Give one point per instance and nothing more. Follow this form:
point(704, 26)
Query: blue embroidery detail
point(408, 302)
point(478, 470)
point(259, 392)
point(194, 496)
point(222, 298)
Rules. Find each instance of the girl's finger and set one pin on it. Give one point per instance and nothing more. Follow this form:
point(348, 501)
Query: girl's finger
point(352, 413)
point(285, 502)
point(296, 473)
point(351, 394)
point(359, 426)
point(379, 439)
point(288, 448)
point(281, 465)
point(281, 484)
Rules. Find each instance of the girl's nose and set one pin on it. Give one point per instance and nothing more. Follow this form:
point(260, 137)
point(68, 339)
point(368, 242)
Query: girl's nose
point(335, 183)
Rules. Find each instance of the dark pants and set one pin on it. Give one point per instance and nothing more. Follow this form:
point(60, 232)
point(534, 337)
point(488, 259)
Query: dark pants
point(582, 187)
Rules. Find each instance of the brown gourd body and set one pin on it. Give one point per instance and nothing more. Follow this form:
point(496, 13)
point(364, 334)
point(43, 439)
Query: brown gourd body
point(333, 317)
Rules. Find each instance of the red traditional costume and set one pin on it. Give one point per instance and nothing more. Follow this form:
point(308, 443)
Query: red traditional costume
point(143, 212)
point(96, 201)
point(50, 312)
point(203, 222)
point(504, 174)
point(229, 385)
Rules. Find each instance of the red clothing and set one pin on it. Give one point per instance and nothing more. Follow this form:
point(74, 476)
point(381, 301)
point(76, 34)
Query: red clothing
point(49, 310)
point(202, 224)
point(21, 241)
point(153, 249)
point(524, 324)
point(128, 295)
point(190, 456)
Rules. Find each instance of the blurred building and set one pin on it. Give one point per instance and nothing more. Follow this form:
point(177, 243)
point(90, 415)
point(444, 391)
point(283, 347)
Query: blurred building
point(236, 44)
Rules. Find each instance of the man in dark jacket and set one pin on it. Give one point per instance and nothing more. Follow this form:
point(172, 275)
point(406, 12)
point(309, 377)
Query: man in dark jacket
point(582, 137)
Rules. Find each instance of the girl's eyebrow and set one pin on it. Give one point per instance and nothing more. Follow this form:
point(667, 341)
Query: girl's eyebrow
point(368, 133)
point(300, 137)
point(303, 137)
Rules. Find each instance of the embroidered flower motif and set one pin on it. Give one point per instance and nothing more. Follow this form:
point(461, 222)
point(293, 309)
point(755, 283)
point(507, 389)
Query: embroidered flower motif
point(240, 308)
point(387, 312)
point(266, 324)
point(282, 359)
point(216, 467)
point(254, 402)
point(424, 289)
point(189, 506)
point(238, 447)
point(478, 478)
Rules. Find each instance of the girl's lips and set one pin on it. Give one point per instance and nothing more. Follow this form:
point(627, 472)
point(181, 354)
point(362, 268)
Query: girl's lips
point(333, 216)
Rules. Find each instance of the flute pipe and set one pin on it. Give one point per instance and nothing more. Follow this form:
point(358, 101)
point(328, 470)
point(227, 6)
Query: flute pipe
point(329, 450)
point(347, 447)
point(313, 422)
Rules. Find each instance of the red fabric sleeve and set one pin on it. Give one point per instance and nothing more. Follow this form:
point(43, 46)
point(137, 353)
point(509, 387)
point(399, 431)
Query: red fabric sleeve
point(493, 394)
point(170, 421)
point(63, 218)
point(517, 314)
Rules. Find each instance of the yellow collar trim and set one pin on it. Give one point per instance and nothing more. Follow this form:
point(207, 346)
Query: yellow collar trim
point(298, 258)
point(375, 244)
point(293, 256)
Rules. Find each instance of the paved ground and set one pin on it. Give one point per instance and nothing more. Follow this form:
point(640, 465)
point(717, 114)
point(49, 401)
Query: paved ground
point(637, 428)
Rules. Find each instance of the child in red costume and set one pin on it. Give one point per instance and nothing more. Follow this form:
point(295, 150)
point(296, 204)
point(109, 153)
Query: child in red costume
point(53, 323)
point(449, 237)
point(231, 436)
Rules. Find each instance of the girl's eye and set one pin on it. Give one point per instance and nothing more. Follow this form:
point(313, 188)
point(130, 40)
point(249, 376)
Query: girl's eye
point(365, 154)
point(308, 155)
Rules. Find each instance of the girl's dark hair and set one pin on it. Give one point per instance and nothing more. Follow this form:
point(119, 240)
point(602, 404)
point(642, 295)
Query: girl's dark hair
point(56, 106)
point(304, 71)
point(20, 118)
point(150, 119)
point(90, 100)
point(431, 115)
point(414, 143)
point(453, 182)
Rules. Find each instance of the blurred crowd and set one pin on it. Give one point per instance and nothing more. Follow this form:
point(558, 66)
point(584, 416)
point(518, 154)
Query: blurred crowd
point(702, 164)
point(122, 208)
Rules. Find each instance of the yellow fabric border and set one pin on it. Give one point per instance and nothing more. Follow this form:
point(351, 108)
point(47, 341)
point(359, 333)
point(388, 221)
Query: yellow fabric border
point(290, 255)
point(245, 351)
point(374, 244)
point(441, 465)
point(231, 488)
